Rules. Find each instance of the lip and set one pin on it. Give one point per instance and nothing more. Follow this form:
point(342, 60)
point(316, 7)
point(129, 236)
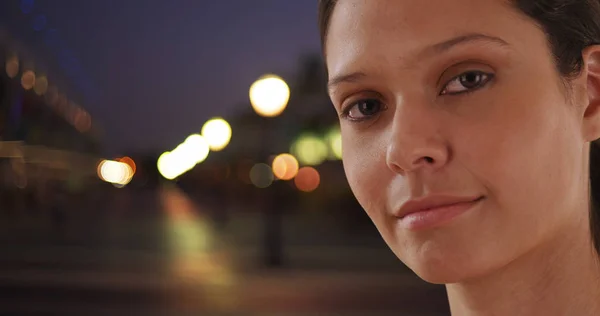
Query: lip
point(434, 210)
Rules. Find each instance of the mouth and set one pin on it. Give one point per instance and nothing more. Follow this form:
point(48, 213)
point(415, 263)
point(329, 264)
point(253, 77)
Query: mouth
point(435, 211)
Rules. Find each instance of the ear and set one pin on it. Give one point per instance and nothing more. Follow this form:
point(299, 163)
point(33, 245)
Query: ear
point(591, 74)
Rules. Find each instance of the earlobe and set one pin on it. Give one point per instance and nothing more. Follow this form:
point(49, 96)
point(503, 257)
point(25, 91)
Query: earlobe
point(591, 71)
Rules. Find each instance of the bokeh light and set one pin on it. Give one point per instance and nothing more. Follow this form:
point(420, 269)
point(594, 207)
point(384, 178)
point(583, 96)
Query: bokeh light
point(115, 172)
point(184, 157)
point(310, 150)
point(82, 120)
point(196, 147)
point(307, 179)
point(261, 175)
point(129, 161)
point(167, 166)
point(334, 140)
point(269, 95)
point(41, 85)
point(28, 80)
point(285, 167)
point(217, 133)
point(12, 66)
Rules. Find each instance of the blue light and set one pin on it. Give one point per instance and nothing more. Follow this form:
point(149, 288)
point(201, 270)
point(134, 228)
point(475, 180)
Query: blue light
point(39, 22)
point(26, 6)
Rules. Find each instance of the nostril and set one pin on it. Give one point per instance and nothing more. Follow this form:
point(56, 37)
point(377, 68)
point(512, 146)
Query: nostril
point(428, 159)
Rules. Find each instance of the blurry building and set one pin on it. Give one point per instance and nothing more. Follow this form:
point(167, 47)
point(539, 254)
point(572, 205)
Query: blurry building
point(47, 138)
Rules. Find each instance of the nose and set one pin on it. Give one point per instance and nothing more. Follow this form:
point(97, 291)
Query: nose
point(416, 142)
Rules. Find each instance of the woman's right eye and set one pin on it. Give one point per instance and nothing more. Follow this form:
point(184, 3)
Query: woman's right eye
point(362, 110)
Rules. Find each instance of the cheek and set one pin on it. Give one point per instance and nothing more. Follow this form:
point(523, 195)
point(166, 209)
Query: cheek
point(366, 170)
point(529, 158)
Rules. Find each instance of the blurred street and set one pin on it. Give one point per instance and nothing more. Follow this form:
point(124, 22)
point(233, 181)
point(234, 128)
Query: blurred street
point(181, 158)
point(151, 252)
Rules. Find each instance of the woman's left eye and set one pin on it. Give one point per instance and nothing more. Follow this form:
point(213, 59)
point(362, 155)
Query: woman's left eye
point(467, 82)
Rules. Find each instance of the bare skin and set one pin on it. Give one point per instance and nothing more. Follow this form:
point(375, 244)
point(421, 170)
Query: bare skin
point(462, 99)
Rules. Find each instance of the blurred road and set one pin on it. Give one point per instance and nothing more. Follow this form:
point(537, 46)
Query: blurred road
point(158, 253)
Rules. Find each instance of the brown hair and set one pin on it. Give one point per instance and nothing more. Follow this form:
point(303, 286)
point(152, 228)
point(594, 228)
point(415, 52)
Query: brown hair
point(570, 26)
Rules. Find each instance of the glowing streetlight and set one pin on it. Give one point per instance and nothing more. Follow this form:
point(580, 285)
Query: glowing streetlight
point(307, 179)
point(167, 166)
point(183, 158)
point(217, 133)
point(115, 172)
point(285, 167)
point(269, 95)
point(196, 148)
point(310, 150)
point(28, 80)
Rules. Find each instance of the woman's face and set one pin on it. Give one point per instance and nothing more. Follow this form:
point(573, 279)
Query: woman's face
point(455, 101)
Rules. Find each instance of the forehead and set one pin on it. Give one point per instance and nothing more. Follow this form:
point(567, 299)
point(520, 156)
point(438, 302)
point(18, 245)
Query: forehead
point(390, 31)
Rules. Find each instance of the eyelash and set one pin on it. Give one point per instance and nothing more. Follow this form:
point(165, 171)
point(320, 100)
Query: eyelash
point(345, 114)
point(487, 77)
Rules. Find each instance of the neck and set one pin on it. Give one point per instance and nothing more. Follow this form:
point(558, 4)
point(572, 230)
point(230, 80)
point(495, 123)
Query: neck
point(561, 277)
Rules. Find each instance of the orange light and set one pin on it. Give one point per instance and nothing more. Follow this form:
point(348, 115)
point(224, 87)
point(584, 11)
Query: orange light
point(115, 172)
point(285, 167)
point(28, 80)
point(41, 85)
point(307, 179)
point(128, 161)
point(82, 120)
point(12, 67)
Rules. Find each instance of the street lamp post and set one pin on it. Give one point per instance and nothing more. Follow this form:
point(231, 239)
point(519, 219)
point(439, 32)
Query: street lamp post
point(269, 97)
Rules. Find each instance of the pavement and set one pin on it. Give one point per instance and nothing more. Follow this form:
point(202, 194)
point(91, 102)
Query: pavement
point(167, 258)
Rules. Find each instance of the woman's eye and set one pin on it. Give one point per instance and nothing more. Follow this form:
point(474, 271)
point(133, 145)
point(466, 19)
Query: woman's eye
point(467, 82)
point(363, 109)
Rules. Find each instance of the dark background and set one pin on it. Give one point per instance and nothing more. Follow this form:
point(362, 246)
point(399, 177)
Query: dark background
point(136, 78)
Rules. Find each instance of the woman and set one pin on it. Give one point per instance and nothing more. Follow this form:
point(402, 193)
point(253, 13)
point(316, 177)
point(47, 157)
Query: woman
point(467, 129)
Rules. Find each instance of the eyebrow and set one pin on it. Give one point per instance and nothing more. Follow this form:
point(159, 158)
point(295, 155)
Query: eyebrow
point(463, 39)
point(351, 77)
point(437, 48)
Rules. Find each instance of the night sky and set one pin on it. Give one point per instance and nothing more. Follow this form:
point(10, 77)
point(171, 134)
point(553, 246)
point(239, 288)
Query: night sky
point(153, 71)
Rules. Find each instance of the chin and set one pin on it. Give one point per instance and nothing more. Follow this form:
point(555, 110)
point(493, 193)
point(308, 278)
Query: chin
point(445, 267)
point(440, 273)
